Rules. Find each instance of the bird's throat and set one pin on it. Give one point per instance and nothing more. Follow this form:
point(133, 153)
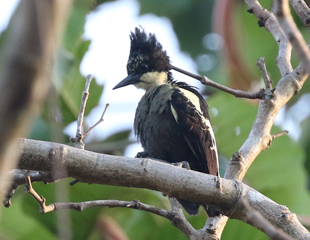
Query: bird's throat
point(151, 79)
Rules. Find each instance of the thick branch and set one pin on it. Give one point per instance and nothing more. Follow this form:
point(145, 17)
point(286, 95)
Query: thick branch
point(302, 10)
point(270, 230)
point(173, 181)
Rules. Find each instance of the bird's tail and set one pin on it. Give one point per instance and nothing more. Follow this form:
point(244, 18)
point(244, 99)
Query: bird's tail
point(211, 211)
point(192, 208)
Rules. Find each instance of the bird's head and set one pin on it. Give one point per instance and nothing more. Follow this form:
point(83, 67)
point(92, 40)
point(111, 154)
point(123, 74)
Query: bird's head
point(148, 64)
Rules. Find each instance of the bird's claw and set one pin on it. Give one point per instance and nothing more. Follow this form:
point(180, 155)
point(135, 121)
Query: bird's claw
point(183, 164)
point(141, 155)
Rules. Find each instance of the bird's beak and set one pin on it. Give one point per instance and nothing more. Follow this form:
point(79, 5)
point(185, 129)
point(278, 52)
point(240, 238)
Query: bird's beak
point(130, 79)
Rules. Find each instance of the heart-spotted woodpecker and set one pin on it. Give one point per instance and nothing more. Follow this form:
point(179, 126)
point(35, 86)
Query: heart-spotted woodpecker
point(172, 120)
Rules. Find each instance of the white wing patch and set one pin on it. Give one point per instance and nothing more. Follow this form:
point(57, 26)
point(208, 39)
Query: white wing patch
point(174, 113)
point(192, 98)
point(195, 100)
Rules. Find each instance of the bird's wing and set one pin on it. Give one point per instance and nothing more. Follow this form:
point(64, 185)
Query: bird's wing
point(191, 113)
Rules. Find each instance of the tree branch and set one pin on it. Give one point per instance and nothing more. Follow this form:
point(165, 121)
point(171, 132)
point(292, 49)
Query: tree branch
point(302, 10)
point(289, 27)
point(262, 67)
point(173, 181)
point(272, 232)
point(99, 121)
point(207, 81)
point(78, 140)
point(268, 20)
point(18, 177)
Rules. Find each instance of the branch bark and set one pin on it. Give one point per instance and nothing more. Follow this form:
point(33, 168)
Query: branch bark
point(90, 167)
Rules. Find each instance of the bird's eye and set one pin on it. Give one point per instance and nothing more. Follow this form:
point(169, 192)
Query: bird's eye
point(144, 67)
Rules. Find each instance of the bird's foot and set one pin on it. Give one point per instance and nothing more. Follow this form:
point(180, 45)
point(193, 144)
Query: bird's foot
point(183, 164)
point(141, 155)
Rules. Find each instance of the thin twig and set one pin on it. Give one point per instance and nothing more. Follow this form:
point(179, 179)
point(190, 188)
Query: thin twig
point(135, 204)
point(262, 67)
point(78, 140)
point(237, 93)
point(80, 206)
point(85, 95)
point(99, 121)
point(18, 177)
point(279, 134)
point(176, 215)
point(75, 181)
point(40, 200)
point(7, 198)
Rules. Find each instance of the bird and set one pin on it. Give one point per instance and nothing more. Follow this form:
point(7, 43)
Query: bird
point(172, 120)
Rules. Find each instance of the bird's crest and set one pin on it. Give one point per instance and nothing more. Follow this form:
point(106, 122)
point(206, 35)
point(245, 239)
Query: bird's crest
point(146, 49)
point(143, 43)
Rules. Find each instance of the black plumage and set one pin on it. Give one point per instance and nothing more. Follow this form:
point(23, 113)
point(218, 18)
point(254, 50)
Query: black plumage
point(172, 120)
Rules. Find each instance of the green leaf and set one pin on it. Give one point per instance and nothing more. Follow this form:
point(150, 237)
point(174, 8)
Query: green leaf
point(76, 22)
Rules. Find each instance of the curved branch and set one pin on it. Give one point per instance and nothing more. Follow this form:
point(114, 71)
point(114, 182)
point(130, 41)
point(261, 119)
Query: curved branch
point(268, 20)
point(289, 27)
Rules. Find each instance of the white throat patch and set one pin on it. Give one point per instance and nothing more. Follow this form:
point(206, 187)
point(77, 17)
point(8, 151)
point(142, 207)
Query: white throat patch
point(151, 79)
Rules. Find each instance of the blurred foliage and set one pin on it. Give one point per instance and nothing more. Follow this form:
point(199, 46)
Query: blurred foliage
point(305, 142)
point(279, 172)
